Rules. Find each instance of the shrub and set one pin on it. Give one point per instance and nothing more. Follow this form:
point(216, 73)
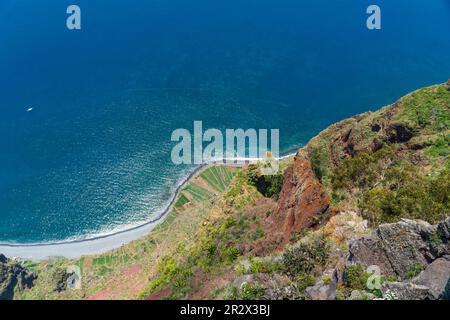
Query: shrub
point(306, 257)
point(248, 291)
point(229, 222)
point(259, 233)
point(305, 281)
point(230, 254)
point(363, 170)
point(251, 292)
point(267, 185)
point(326, 280)
point(355, 277)
point(239, 270)
point(261, 266)
point(407, 194)
point(171, 273)
point(441, 147)
point(414, 270)
point(319, 161)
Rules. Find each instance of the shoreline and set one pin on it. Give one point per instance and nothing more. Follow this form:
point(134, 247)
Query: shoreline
point(76, 248)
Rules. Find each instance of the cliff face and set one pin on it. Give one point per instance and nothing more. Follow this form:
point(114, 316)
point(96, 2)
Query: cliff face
point(368, 192)
point(385, 164)
point(415, 254)
point(13, 278)
point(303, 201)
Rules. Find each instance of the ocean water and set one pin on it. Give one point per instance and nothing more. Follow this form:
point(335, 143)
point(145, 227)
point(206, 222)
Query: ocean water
point(94, 155)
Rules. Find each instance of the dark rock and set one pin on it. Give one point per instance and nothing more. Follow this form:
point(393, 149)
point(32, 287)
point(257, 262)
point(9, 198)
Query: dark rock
point(376, 145)
point(404, 291)
point(405, 245)
point(443, 229)
point(397, 248)
point(346, 136)
point(402, 249)
point(375, 127)
point(289, 292)
point(369, 251)
point(436, 277)
point(349, 142)
point(398, 133)
point(60, 278)
point(361, 295)
point(13, 277)
point(447, 291)
point(322, 291)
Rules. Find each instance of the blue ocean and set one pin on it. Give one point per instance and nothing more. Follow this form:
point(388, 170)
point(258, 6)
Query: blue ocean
point(93, 155)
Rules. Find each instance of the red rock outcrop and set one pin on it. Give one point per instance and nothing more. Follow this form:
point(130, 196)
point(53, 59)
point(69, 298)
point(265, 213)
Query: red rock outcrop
point(303, 200)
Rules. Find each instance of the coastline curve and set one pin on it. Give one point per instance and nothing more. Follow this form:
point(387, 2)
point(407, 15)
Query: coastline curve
point(76, 248)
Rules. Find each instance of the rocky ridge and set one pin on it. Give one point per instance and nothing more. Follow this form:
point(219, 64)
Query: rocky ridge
point(13, 278)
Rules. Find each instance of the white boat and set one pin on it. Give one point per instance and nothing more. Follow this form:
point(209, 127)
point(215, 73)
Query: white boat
point(30, 109)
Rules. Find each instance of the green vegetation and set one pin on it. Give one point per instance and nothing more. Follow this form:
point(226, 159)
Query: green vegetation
point(251, 292)
point(247, 292)
point(356, 278)
point(409, 194)
point(263, 266)
point(435, 239)
point(182, 200)
point(198, 193)
point(214, 249)
point(440, 147)
point(427, 108)
point(392, 163)
point(258, 234)
point(267, 185)
point(414, 270)
point(362, 170)
point(304, 281)
point(218, 243)
point(306, 257)
point(218, 177)
point(326, 280)
point(171, 236)
point(241, 193)
point(320, 161)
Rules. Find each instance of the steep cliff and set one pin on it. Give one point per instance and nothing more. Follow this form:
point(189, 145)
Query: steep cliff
point(386, 165)
point(375, 168)
point(13, 278)
point(361, 212)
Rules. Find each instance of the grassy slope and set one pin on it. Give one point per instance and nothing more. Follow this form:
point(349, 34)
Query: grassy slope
point(124, 272)
point(368, 166)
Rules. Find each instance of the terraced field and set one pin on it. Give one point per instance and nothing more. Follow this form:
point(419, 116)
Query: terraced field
point(213, 180)
point(218, 177)
point(123, 272)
